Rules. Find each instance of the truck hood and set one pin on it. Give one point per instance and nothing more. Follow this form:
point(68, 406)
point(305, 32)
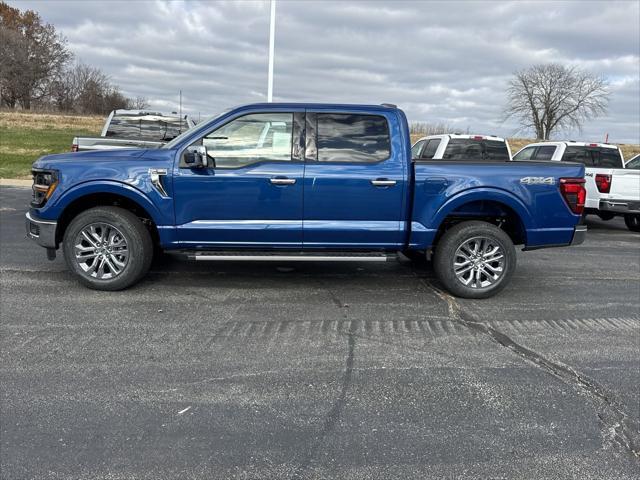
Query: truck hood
point(51, 161)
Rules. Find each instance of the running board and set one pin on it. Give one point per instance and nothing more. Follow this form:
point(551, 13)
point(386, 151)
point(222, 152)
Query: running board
point(292, 257)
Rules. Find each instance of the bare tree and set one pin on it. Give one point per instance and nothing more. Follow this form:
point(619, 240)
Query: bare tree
point(138, 103)
point(32, 56)
point(552, 97)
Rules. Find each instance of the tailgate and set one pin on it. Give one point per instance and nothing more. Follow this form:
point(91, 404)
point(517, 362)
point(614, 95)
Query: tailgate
point(625, 185)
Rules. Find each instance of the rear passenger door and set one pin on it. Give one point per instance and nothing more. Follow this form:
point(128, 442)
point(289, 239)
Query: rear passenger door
point(354, 181)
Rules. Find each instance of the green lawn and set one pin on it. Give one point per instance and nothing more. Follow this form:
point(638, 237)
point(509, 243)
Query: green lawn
point(20, 147)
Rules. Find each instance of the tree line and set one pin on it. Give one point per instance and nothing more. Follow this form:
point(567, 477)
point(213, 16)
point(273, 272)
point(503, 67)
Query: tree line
point(38, 71)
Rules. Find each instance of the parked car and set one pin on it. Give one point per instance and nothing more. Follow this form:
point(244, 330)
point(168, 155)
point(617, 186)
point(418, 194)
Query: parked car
point(293, 182)
point(598, 158)
point(134, 129)
point(462, 147)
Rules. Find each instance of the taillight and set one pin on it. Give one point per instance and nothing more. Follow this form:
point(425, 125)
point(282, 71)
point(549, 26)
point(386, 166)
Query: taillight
point(478, 137)
point(603, 182)
point(574, 193)
point(74, 147)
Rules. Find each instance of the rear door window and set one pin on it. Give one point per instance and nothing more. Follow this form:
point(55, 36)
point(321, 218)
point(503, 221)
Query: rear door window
point(352, 138)
point(431, 148)
point(544, 153)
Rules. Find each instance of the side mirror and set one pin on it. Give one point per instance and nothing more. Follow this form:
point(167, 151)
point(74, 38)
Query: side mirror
point(195, 156)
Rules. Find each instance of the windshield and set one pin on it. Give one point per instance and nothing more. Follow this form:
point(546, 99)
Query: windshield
point(201, 127)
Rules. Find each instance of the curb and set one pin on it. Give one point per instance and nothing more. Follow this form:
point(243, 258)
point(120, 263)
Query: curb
point(14, 182)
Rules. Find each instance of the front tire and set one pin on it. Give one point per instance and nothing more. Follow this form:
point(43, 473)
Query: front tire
point(632, 221)
point(107, 248)
point(474, 259)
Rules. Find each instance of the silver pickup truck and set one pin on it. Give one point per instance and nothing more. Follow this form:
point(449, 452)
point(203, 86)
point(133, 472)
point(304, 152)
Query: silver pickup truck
point(134, 129)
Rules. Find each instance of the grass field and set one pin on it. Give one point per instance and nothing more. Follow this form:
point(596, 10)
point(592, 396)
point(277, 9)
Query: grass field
point(24, 137)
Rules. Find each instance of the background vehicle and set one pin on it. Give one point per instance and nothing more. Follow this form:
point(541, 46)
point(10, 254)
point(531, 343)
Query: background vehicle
point(486, 148)
point(300, 182)
point(620, 193)
point(134, 129)
point(633, 162)
point(598, 158)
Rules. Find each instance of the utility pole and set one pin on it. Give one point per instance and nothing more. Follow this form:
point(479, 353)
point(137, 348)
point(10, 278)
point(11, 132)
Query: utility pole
point(272, 32)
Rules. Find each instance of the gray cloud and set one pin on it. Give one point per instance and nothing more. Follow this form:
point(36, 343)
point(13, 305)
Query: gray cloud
point(440, 61)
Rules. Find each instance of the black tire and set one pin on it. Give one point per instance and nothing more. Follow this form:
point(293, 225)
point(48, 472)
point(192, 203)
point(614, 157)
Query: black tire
point(138, 241)
point(632, 221)
point(455, 237)
point(606, 216)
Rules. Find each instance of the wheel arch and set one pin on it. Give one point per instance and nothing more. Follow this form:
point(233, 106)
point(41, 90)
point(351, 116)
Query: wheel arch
point(93, 195)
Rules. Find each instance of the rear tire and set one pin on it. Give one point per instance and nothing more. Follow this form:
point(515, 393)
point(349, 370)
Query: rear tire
point(107, 248)
point(606, 216)
point(474, 259)
point(632, 221)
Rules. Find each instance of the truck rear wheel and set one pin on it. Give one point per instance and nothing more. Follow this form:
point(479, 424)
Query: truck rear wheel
point(632, 221)
point(474, 259)
point(107, 248)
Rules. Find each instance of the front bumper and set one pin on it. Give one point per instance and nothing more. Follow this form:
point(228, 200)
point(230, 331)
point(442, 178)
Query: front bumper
point(579, 234)
point(620, 206)
point(43, 232)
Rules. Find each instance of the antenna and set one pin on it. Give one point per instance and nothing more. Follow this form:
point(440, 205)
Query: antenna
point(272, 28)
point(180, 120)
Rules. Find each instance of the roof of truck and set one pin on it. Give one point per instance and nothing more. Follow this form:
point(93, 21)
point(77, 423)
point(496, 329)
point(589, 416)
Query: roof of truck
point(572, 143)
point(337, 106)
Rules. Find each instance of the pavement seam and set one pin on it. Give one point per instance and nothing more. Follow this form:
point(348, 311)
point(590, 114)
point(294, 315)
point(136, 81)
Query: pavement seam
point(618, 428)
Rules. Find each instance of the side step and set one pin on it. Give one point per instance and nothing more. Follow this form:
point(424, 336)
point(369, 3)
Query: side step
point(247, 256)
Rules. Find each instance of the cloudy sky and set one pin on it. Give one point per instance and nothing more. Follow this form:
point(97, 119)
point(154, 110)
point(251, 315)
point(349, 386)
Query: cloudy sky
point(443, 62)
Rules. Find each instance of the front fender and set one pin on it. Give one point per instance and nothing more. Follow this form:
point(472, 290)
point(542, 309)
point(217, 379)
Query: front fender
point(53, 211)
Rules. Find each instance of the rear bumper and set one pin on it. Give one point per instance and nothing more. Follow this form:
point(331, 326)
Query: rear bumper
point(620, 206)
point(579, 234)
point(43, 232)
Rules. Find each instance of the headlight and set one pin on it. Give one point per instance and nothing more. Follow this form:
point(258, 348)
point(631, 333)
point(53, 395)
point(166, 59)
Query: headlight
point(44, 183)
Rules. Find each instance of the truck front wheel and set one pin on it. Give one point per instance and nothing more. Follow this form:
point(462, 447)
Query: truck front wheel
point(107, 248)
point(474, 259)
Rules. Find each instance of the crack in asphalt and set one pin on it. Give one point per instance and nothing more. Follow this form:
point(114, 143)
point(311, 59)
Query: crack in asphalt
point(618, 428)
point(333, 415)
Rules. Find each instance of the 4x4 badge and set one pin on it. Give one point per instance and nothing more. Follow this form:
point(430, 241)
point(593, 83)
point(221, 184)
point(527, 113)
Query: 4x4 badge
point(538, 180)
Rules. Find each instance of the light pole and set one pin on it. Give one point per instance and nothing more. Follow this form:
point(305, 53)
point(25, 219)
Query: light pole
point(272, 28)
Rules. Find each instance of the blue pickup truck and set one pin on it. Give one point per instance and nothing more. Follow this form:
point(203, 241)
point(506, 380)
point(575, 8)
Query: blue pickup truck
point(288, 182)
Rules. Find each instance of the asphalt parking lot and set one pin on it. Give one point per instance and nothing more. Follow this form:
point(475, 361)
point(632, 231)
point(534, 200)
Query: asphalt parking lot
point(351, 371)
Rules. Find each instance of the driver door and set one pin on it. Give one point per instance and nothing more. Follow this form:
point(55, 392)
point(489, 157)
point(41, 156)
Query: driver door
point(250, 194)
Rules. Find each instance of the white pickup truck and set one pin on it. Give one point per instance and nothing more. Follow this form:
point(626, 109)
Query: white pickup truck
point(134, 129)
point(461, 147)
point(620, 192)
point(599, 159)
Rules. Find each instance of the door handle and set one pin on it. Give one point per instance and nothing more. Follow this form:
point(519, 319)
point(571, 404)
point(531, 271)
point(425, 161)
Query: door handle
point(383, 182)
point(283, 181)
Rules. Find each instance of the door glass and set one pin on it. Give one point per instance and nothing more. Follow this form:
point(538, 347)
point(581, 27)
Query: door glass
point(525, 154)
point(415, 150)
point(259, 137)
point(545, 153)
point(430, 150)
point(352, 138)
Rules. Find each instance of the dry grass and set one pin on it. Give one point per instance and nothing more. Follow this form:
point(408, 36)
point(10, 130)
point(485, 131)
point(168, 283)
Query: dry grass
point(41, 121)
